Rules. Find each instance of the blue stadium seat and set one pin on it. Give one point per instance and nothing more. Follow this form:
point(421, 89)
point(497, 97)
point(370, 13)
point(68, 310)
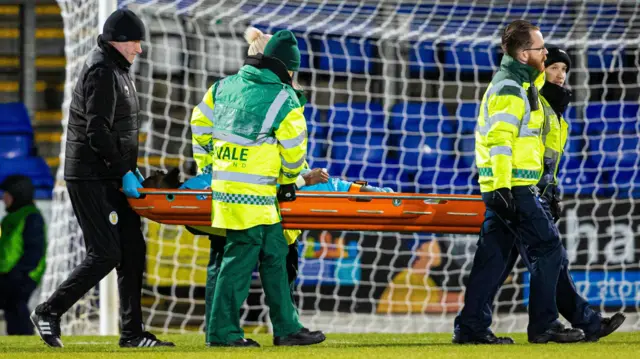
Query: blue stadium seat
point(555, 20)
point(344, 117)
point(358, 143)
point(583, 182)
point(576, 126)
point(604, 21)
point(571, 162)
point(346, 55)
point(14, 119)
point(447, 181)
point(356, 146)
point(468, 57)
point(602, 59)
point(382, 175)
point(517, 11)
point(317, 132)
point(425, 151)
point(467, 116)
point(428, 116)
point(422, 132)
point(466, 151)
point(357, 136)
point(318, 162)
point(575, 148)
point(15, 146)
point(614, 151)
point(612, 118)
point(35, 168)
point(422, 55)
point(417, 9)
point(577, 155)
point(304, 44)
point(444, 173)
point(311, 113)
point(317, 140)
point(627, 183)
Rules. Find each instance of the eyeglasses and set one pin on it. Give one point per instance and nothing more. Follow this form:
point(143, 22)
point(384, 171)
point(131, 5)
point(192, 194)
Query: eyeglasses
point(539, 49)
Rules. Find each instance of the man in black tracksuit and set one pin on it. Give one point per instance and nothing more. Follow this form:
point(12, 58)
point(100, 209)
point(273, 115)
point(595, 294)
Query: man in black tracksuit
point(100, 157)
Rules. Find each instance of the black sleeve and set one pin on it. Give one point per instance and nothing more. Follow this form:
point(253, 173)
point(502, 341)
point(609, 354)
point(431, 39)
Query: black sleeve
point(100, 95)
point(34, 242)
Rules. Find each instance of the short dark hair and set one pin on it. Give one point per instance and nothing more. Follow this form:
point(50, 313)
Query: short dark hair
point(160, 179)
point(517, 35)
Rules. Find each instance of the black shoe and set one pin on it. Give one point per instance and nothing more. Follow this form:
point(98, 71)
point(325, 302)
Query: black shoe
point(487, 338)
point(607, 326)
point(248, 343)
point(48, 328)
point(303, 337)
point(317, 333)
point(558, 334)
point(144, 340)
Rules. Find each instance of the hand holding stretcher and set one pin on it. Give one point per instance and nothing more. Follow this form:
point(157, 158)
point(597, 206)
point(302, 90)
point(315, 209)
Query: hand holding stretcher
point(385, 212)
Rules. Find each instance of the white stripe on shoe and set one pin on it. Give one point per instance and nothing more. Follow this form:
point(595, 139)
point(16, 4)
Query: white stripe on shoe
point(142, 342)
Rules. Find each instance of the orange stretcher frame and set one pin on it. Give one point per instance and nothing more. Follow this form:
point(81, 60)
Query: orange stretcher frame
point(385, 212)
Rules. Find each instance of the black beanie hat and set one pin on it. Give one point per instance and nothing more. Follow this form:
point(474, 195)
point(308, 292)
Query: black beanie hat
point(123, 25)
point(555, 54)
point(21, 189)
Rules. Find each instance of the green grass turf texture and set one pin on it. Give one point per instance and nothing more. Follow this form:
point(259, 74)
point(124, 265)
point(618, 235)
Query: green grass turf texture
point(369, 346)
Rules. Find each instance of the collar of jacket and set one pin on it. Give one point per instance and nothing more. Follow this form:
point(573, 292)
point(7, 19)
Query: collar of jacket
point(275, 67)
point(113, 54)
point(524, 73)
point(253, 70)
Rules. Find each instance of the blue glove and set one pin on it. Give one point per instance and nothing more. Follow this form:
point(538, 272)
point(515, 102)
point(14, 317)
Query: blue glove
point(139, 176)
point(130, 185)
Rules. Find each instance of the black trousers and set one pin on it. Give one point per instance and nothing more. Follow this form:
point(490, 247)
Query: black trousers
point(494, 254)
point(15, 290)
point(113, 238)
point(571, 305)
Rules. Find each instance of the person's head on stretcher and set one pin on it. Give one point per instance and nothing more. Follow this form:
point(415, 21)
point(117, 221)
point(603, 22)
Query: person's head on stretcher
point(163, 180)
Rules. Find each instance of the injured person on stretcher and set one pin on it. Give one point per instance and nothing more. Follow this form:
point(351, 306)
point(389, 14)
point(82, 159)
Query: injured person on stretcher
point(310, 180)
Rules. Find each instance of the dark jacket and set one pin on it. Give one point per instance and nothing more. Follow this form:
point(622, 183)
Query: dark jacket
point(102, 134)
point(23, 238)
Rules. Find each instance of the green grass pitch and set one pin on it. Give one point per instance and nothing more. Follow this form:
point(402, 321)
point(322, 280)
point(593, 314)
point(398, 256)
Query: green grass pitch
point(369, 346)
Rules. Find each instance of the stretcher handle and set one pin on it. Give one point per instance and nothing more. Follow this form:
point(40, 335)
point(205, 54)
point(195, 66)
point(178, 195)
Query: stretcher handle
point(384, 196)
point(143, 191)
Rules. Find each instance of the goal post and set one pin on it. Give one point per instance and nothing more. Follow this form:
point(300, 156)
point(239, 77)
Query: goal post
point(108, 290)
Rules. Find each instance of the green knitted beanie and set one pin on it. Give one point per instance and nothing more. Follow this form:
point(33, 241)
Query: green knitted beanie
point(284, 47)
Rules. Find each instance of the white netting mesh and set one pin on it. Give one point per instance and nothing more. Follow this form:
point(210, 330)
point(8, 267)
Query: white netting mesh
point(393, 92)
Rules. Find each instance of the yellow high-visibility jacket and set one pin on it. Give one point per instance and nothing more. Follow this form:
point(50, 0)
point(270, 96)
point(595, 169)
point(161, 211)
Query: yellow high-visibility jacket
point(509, 145)
point(554, 136)
point(249, 131)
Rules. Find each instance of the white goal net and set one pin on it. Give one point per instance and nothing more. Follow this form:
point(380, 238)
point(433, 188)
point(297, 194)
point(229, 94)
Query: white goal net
point(393, 89)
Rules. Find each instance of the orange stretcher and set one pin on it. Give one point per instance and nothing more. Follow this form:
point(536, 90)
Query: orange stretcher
point(385, 212)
